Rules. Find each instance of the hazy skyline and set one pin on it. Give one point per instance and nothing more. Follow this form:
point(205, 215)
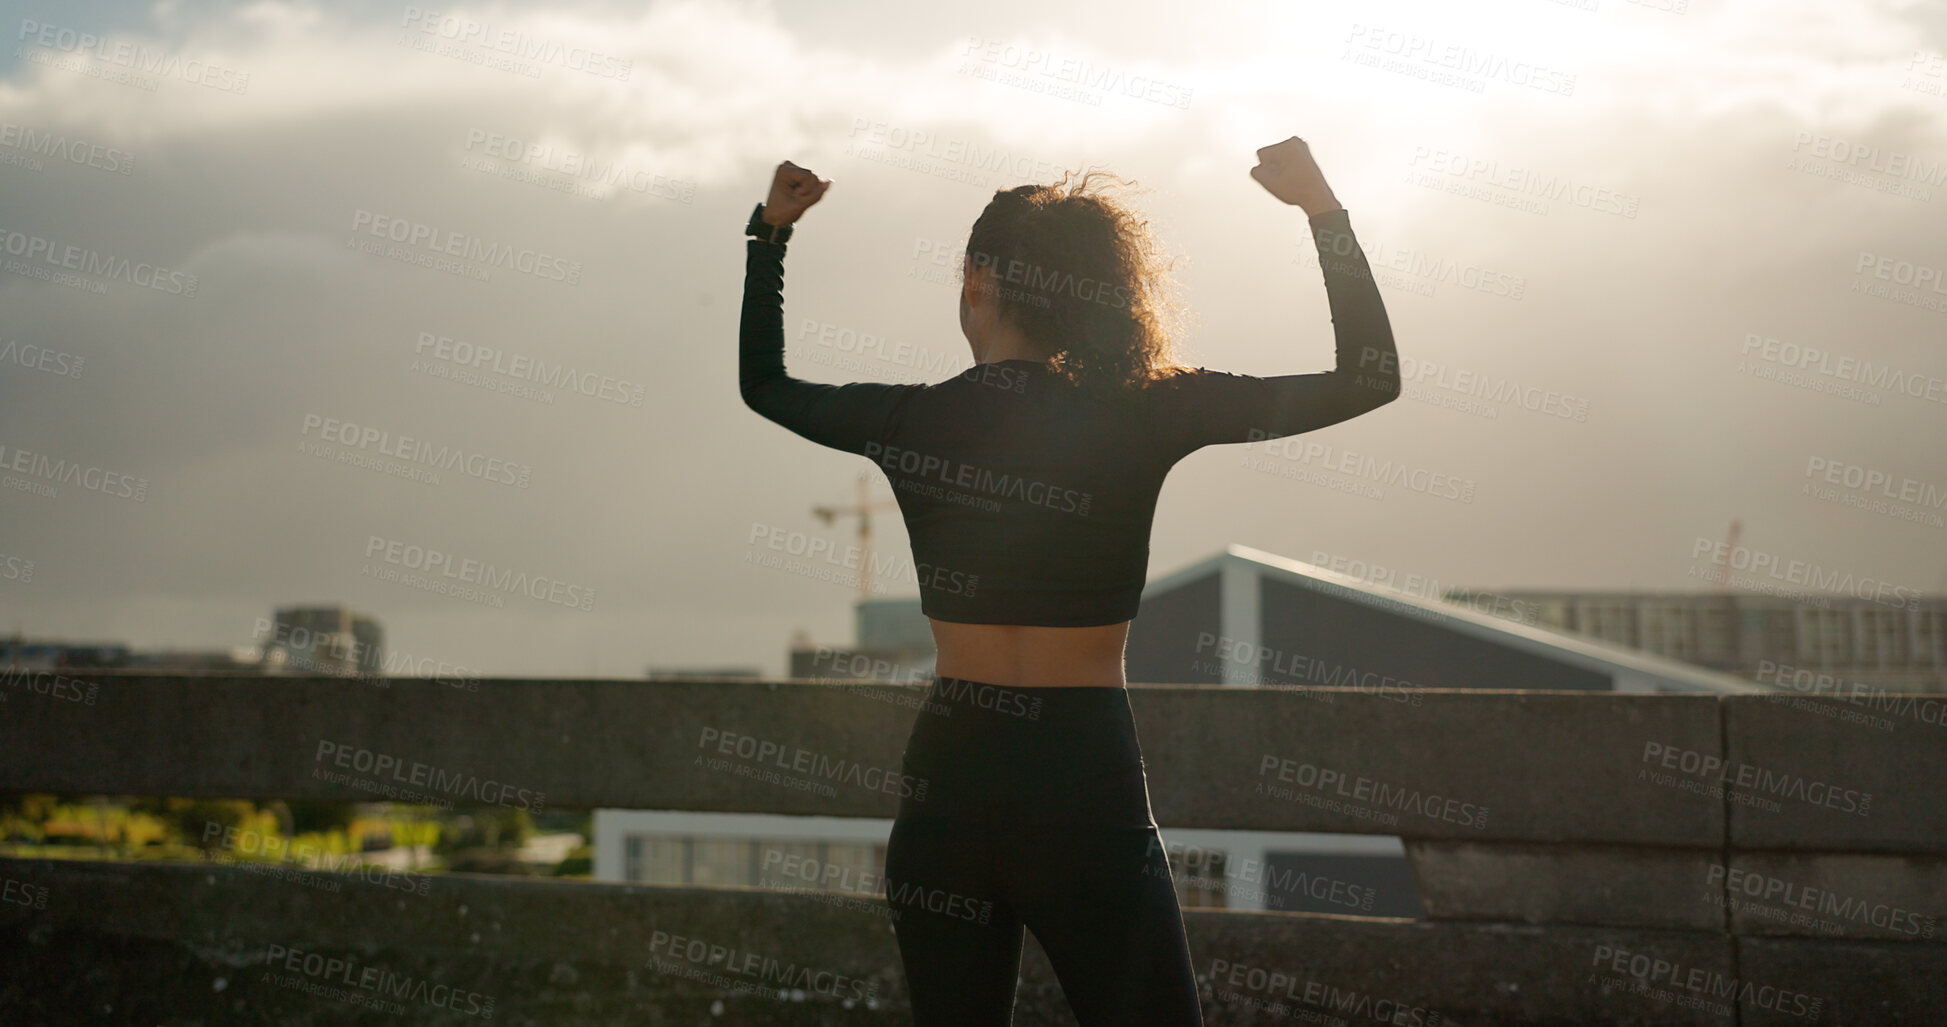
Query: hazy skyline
point(1654, 265)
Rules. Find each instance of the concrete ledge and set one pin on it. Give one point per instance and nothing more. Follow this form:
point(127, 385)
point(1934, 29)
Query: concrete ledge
point(1863, 774)
point(1564, 884)
point(1465, 764)
point(1864, 983)
point(183, 945)
point(1836, 895)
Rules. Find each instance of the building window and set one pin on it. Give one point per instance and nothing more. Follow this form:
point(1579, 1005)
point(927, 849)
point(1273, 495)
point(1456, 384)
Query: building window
point(1930, 639)
point(854, 867)
point(1884, 637)
point(1826, 641)
point(789, 864)
point(1666, 630)
point(1199, 876)
point(722, 861)
point(653, 859)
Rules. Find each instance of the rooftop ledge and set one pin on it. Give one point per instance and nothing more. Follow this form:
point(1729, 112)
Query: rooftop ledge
point(1567, 846)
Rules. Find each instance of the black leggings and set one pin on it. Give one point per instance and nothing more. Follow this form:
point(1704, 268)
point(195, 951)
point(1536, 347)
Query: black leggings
point(1035, 813)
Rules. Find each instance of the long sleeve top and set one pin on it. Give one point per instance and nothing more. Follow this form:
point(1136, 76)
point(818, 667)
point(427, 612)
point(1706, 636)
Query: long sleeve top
point(1028, 500)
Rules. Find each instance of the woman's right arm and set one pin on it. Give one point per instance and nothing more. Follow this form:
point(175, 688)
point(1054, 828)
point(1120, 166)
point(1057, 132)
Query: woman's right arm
point(1204, 407)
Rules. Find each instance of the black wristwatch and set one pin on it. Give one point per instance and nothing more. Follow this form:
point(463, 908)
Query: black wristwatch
point(764, 230)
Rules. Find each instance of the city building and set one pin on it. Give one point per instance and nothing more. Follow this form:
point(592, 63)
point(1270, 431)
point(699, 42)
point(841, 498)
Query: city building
point(1822, 643)
point(324, 640)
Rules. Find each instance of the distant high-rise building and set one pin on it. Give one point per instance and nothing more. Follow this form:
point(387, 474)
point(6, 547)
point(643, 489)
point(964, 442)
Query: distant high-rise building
point(325, 640)
point(1810, 643)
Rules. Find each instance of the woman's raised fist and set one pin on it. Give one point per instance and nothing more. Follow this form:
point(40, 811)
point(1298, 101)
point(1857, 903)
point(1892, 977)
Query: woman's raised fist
point(1287, 170)
point(793, 192)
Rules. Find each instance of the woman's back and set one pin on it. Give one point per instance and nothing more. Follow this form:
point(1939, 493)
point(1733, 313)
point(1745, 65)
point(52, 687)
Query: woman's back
point(1029, 499)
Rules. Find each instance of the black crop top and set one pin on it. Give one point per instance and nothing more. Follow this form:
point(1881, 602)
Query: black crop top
point(1029, 501)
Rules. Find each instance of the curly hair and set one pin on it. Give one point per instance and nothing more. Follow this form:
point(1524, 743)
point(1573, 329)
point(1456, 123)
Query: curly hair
point(1081, 277)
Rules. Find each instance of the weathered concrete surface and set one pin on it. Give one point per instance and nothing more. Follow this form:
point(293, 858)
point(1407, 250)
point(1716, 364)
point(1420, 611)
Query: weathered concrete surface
point(1891, 898)
point(189, 946)
point(1841, 783)
point(1465, 764)
point(1418, 972)
point(1863, 983)
point(1519, 882)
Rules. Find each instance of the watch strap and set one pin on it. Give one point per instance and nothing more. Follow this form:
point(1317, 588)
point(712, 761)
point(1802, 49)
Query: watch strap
point(764, 230)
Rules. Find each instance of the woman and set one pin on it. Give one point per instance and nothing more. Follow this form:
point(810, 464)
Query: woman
point(1028, 485)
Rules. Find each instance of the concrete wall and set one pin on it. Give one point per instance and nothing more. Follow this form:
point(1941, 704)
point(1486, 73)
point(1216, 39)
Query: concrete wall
point(1583, 857)
point(191, 946)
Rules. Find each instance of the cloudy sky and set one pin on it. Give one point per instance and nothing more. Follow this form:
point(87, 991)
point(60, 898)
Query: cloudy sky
point(1652, 266)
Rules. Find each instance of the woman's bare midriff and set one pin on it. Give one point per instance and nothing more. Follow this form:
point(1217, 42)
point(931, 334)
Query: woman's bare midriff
point(1024, 655)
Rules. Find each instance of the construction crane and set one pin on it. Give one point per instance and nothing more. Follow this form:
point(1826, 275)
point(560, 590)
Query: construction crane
point(1723, 576)
point(863, 510)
